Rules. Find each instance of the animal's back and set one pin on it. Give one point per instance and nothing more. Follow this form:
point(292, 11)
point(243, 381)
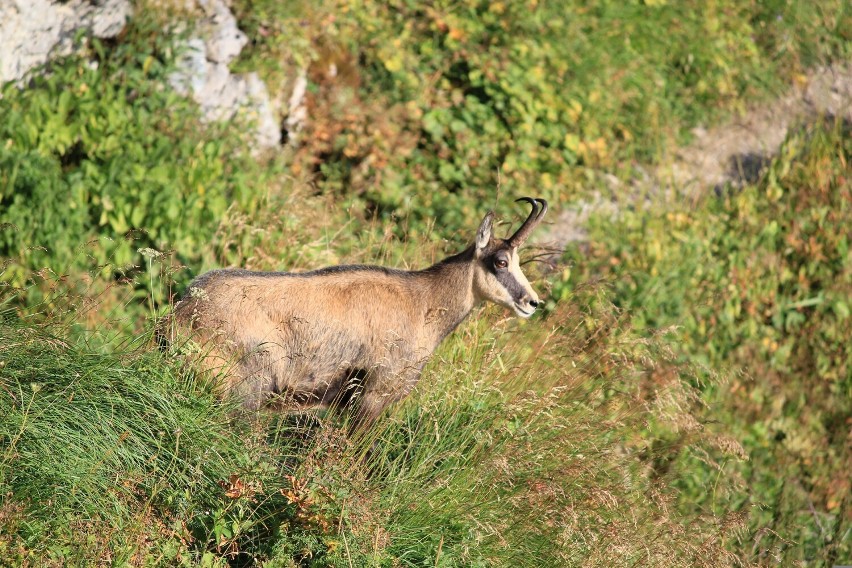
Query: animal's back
point(303, 335)
point(359, 296)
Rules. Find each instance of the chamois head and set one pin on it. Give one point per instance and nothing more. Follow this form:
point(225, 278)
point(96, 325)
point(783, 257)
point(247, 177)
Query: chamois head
point(498, 277)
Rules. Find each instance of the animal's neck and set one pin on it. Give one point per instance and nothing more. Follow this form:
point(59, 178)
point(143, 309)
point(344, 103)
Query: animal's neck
point(450, 295)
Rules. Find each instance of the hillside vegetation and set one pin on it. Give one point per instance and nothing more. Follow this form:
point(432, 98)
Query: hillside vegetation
point(758, 282)
point(683, 401)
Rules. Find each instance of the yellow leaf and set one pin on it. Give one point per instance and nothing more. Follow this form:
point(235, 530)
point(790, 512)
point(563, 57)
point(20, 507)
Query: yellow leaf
point(575, 108)
point(572, 142)
point(393, 63)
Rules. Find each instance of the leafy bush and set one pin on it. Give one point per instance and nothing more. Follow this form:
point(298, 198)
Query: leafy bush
point(413, 108)
point(39, 211)
point(98, 147)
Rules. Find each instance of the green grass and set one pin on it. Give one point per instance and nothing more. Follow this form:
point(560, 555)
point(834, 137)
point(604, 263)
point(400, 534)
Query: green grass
point(683, 401)
point(137, 460)
point(758, 283)
point(504, 456)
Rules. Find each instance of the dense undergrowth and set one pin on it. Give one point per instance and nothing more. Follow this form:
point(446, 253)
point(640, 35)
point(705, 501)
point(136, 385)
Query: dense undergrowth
point(758, 282)
point(100, 159)
point(523, 456)
point(684, 401)
point(415, 106)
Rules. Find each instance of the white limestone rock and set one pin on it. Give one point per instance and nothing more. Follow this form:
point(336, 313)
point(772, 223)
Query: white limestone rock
point(34, 31)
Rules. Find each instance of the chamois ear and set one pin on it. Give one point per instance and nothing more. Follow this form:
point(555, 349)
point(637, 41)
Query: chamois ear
point(483, 234)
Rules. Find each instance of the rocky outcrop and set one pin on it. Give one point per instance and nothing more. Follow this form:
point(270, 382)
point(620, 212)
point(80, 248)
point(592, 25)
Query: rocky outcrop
point(204, 75)
point(33, 31)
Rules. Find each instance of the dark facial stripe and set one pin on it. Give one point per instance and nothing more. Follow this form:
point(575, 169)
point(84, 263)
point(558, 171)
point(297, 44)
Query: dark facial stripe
point(511, 284)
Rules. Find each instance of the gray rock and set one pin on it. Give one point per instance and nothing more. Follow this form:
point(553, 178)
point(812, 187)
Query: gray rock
point(193, 68)
point(203, 74)
point(267, 127)
point(109, 17)
point(33, 31)
point(298, 109)
point(224, 40)
point(829, 91)
point(224, 96)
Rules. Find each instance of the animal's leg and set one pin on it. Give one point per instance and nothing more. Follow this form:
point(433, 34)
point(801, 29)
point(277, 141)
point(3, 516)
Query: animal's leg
point(379, 393)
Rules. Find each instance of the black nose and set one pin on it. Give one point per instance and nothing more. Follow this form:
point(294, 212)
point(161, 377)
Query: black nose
point(534, 304)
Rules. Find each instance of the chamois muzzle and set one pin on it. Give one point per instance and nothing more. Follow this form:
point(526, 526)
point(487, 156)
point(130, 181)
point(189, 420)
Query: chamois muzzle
point(539, 208)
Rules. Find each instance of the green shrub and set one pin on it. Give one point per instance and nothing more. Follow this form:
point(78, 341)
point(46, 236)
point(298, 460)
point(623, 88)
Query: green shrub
point(414, 107)
point(40, 211)
point(758, 282)
point(99, 147)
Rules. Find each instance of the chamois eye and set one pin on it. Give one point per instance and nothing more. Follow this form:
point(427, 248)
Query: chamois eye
point(501, 263)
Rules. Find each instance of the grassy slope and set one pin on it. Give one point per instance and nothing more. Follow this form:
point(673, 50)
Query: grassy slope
point(565, 440)
point(521, 456)
point(758, 283)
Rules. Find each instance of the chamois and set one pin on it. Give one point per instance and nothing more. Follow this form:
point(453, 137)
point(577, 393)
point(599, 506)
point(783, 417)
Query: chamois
point(350, 336)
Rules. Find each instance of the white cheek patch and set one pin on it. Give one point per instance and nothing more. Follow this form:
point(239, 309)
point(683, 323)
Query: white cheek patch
point(508, 287)
point(491, 289)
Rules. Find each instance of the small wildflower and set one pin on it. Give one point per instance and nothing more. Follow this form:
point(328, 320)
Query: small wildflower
point(150, 253)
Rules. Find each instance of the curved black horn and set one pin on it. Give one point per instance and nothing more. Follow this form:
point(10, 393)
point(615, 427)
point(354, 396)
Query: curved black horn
point(531, 223)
